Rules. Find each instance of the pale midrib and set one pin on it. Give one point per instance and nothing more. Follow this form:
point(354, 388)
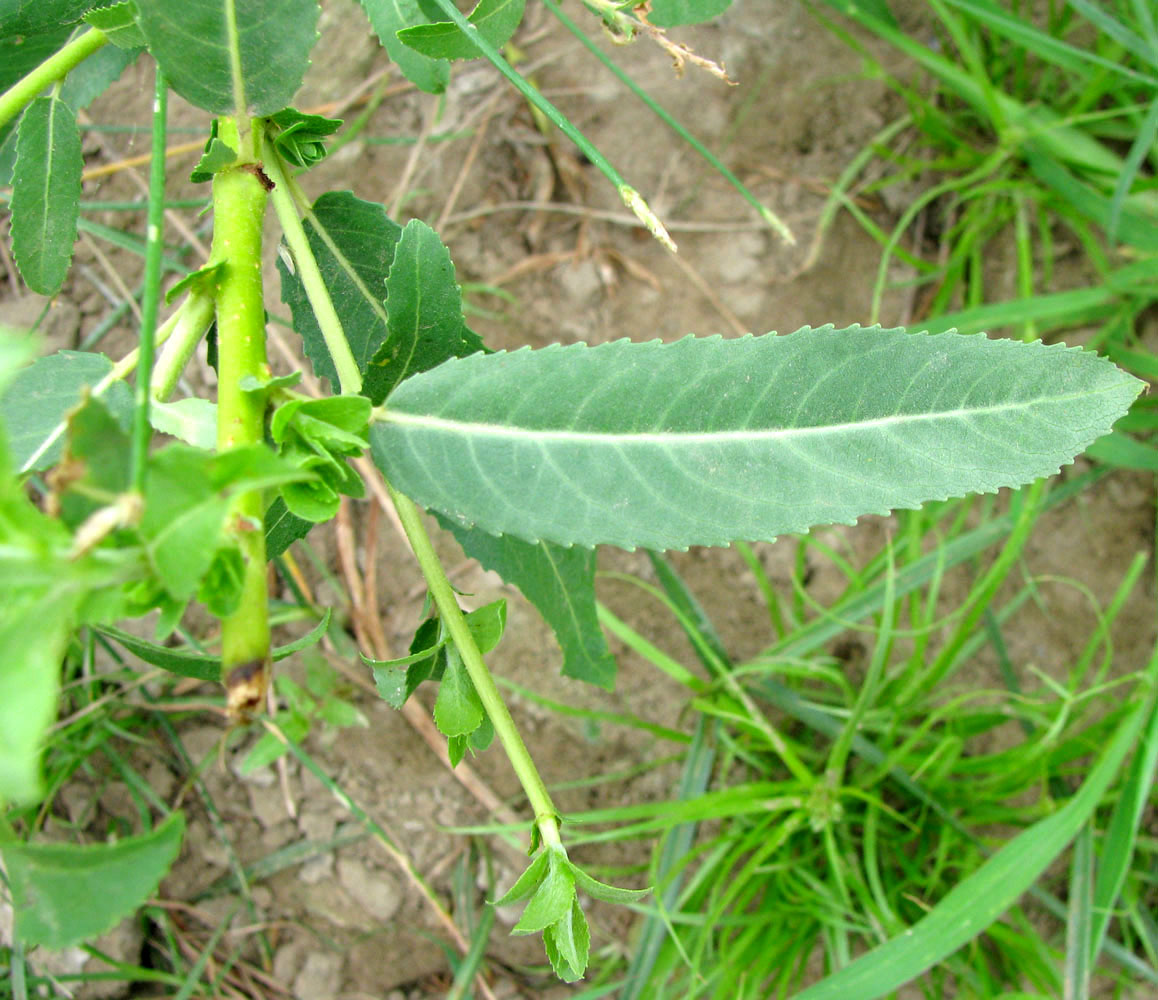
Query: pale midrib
point(466, 428)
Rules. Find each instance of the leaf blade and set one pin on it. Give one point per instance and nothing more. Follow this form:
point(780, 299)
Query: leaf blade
point(704, 441)
point(65, 893)
point(193, 41)
point(46, 193)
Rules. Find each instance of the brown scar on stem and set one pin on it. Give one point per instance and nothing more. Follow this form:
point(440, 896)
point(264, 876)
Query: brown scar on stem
point(245, 689)
point(261, 175)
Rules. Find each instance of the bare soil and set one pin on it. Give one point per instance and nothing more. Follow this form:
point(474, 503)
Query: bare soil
point(348, 922)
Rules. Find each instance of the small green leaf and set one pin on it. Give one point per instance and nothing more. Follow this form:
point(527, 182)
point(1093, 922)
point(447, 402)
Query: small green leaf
point(251, 383)
point(487, 624)
point(221, 587)
point(46, 193)
point(200, 281)
point(269, 748)
point(423, 309)
point(66, 893)
point(340, 713)
point(495, 20)
point(119, 22)
point(388, 17)
point(672, 13)
point(552, 899)
point(526, 883)
point(300, 138)
point(457, 709)
point(192, 420)
point(567, 943)
point(603, 892)
point(38, 399)
point(283, 528)
point(217, 155)
point(560, 583)
point(199, 43)
point(199, 665)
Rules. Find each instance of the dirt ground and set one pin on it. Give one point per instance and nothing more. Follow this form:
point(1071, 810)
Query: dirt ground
point(348, 922)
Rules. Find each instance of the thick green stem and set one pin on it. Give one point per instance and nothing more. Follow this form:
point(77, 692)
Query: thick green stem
point(239, 197)
point(54, 68)
point(546, 816)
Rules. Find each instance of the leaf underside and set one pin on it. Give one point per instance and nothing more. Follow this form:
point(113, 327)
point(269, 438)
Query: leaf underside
point(708, 440)
point(191, 40)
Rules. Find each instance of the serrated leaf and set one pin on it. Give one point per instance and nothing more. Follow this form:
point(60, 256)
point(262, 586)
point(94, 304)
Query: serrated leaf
point(423, 309)
point(560, 583)
point(66, 893)
point(353, 241)
point(200, 665)
point(190, 39)
point(86, 82)
point(458, 709)
point(671, 13)
point(496, 21)
point(388, 17)
point(27, 17)
point(46, 193)
point(552, 899)
point(119, 22)
point(567, 943)
point(705, 441)
point(35, 404)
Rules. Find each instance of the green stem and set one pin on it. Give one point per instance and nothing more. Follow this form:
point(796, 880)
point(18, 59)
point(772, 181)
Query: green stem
point(546, 816)
point(54, 68)
point(142, 432)
point(239, 198)
point(349, 377)
point(631, 198)
point(771, 218)
point(189, 324)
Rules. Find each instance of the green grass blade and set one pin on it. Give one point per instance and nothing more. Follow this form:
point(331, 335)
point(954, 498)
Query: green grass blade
point(977, 901)
point(1121, 839)
point(1078, 926)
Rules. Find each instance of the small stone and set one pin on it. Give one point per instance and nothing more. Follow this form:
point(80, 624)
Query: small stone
point(267, 804)
point(373, 890)
point(316, 869)
point(320, 978)
point(319, 826)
